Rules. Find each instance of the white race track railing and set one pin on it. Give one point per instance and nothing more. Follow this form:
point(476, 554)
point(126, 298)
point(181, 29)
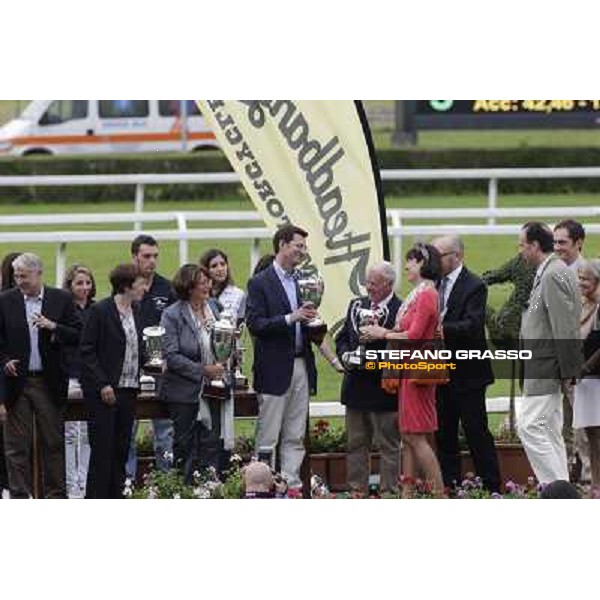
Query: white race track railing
point(182, 232)
point(335, 409)
point(493, 176)
point(396, 228)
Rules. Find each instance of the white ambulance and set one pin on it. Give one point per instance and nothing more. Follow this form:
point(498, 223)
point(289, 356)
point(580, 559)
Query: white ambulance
point(104, 126)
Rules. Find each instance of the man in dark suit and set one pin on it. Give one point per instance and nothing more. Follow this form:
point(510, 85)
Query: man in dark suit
point(36, 322)
point(463, 298)
point(284, 364)
point(371, 413)
point(3, 473)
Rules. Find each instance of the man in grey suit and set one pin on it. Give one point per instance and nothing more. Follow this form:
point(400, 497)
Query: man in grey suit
point(550, 328)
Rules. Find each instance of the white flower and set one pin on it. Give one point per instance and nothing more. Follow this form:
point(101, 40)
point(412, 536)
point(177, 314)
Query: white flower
point(168, 456)
point(235, 458)
point(202, 493)
point(176, 496)
point(127, 492)
point(196, 474)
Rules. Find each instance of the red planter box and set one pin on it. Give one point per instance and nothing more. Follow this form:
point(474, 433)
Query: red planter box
point(514, 466)
point(512, 460)
point(331, 467)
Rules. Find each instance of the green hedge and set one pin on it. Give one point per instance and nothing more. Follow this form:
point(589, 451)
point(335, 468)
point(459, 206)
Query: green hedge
point(214, 161)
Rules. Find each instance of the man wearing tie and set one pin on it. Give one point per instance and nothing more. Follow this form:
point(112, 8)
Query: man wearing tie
point(371, 413)
point(36, 321)
point(550, 329)
point(284, 364)
point(463, 298)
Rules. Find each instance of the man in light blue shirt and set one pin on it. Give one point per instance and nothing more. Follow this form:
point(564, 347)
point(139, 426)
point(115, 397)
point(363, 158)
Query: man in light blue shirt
point(284, 364)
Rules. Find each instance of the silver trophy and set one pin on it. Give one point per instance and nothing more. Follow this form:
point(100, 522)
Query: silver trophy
point(222, 341)
point(238, 357)
point(312, 288)
point(153, 338)
point(361, 317)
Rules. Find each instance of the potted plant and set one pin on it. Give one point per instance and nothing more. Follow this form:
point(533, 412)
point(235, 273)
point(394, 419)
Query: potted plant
point(512, 459)
point(328, 453)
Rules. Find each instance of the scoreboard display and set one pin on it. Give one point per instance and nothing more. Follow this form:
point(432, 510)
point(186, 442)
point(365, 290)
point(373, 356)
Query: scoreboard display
point(502, 114)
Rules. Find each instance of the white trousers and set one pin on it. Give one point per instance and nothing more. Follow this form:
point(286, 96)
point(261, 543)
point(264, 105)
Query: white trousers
point(283, 419)
point(539, 425)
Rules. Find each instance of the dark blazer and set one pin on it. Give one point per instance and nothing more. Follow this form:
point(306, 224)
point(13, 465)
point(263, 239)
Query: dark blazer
point(2, 398)
point(274, 340)
point(182, 380)
point(72, 353)
point(57, 305)
point(464, 329)
point(102, 347)
point(361, 389)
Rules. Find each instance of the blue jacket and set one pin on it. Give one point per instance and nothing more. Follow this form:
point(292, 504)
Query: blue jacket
point(274, 339)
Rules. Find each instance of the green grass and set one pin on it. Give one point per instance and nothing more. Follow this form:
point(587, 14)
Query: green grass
point(481, 253)
point(490, 139)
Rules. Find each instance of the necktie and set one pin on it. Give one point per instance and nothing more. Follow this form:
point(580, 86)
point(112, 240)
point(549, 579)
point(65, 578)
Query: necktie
point(442, 293)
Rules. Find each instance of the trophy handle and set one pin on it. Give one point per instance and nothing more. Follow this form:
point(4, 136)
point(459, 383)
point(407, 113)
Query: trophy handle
point(354, 316)
point(384, 312)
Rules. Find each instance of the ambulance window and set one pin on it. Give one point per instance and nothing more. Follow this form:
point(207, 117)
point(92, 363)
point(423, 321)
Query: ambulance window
point(123, 109)
point(172, 108)
point(64, 110)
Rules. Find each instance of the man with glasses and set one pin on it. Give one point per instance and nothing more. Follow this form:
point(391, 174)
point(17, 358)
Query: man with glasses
point(284, 363)
point(463, 297)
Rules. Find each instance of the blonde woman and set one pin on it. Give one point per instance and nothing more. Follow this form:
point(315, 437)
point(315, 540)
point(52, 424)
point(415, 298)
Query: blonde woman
point(80, 283)
point(586, 404)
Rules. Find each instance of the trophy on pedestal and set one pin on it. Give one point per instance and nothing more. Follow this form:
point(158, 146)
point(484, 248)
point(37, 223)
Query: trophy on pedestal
point(360, 317)
point(153, 338)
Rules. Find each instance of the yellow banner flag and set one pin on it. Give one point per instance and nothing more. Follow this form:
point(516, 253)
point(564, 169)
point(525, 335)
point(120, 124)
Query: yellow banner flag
point(311, 163)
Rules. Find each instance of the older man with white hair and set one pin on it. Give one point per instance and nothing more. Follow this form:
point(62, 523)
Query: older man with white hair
point(371, 413)
point(36, 322)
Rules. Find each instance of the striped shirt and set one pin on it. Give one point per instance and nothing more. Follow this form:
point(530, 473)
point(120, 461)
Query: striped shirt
point(33, 306)
point(130, 377)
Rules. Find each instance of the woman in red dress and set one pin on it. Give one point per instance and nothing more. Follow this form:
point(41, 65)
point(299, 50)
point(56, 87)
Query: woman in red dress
point(418, 319)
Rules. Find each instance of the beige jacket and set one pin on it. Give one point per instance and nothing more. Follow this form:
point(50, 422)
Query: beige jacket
point(550, 329)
